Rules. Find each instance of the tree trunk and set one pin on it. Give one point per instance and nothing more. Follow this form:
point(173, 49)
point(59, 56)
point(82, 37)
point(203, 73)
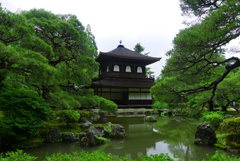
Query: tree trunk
point(224, 108)
point(45, 93)
point(238, 111)
point(210, 104)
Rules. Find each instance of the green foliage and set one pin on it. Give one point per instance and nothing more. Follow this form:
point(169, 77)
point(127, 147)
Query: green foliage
point(84, 114)
point(220, 157)
point(160, 105)
point(68, 116)
point(138, 48)
point(164, 113)
point(37, 51)
point(101, 138)
point(161, 92)
point(161, 156)
point(18, 156)
point(1, 114)
point(222, 139)
point(91, 39)
point(101, 156)
point(213, 118)
point(232, 125)
point(107, 105)
point(228, 89)
point(96, 155)
point(196, 64)
point(24, 112)
point(107, 130)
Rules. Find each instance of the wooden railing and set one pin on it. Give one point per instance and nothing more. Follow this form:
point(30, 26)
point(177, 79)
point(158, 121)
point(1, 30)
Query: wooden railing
point(127, 75)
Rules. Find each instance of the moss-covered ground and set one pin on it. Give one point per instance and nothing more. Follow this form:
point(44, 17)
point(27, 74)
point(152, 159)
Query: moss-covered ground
point(74, 128)
point(222, 136)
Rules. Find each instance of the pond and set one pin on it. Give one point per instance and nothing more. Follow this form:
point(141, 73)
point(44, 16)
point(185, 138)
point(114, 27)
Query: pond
point(170, 135)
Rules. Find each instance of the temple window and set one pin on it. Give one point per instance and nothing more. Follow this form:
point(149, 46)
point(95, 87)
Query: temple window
point(107, 68)
point(128, 69)
point(139, 69)
point(116, 68)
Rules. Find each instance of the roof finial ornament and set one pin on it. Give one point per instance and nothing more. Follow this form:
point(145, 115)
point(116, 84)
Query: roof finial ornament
point(120, 42)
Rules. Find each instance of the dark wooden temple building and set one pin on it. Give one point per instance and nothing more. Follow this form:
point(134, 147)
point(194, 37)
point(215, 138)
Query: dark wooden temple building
point(123, 78)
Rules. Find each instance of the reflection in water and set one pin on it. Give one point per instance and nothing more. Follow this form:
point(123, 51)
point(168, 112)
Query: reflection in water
point(139, 130)
point(118, 144)
point(170, 135)
point(160, 147)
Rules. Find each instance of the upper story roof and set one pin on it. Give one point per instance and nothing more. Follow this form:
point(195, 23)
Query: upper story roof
point(121, 53)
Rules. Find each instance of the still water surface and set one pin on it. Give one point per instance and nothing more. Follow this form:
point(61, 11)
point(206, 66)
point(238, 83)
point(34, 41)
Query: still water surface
point(170, 135)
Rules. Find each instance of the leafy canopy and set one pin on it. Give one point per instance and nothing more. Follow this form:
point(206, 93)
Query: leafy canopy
point(197, 64)
point(24, 112)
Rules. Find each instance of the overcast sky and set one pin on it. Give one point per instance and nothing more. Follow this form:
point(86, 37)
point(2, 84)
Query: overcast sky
point(153, 23)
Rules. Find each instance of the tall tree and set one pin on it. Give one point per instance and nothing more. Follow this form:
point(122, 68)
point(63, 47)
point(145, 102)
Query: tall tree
point(198, 52)
point(139, 49)
point(228, 91)
point(91, 40)
point(51, 54)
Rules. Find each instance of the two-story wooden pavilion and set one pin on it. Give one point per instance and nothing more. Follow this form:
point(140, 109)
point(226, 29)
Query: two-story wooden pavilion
point(123, 78)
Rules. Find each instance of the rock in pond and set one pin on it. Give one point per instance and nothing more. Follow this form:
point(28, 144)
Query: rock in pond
point(86, 125)
point(103, 118)
point(118, 131)
point(53, 134)
point(100, 129)
point(81, 135)
point(150, 119)
point(91, 138)
point(69, 137)
point(205, 135)
point(147, 113)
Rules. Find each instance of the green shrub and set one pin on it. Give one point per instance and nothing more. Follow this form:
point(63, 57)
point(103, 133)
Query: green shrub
point(232, 125)
point(221, 157)
point(101, 156)
point(160, 105)
point(213, 118)
point(68, 116)
point(162, 157)
point(24, 111)
point(107, 105)
point(83, 156)
point(18, 156)
point(164, 113)
point(83, 114)
point(222, 139)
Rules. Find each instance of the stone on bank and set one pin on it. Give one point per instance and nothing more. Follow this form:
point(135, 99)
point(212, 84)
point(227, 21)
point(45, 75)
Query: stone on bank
point(205, 135)
point(150, 119)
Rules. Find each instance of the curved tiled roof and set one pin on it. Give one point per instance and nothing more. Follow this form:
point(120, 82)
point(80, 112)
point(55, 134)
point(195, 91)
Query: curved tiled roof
point(122, 52)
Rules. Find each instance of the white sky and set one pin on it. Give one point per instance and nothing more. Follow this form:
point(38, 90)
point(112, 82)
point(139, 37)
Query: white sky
point(153, 23)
